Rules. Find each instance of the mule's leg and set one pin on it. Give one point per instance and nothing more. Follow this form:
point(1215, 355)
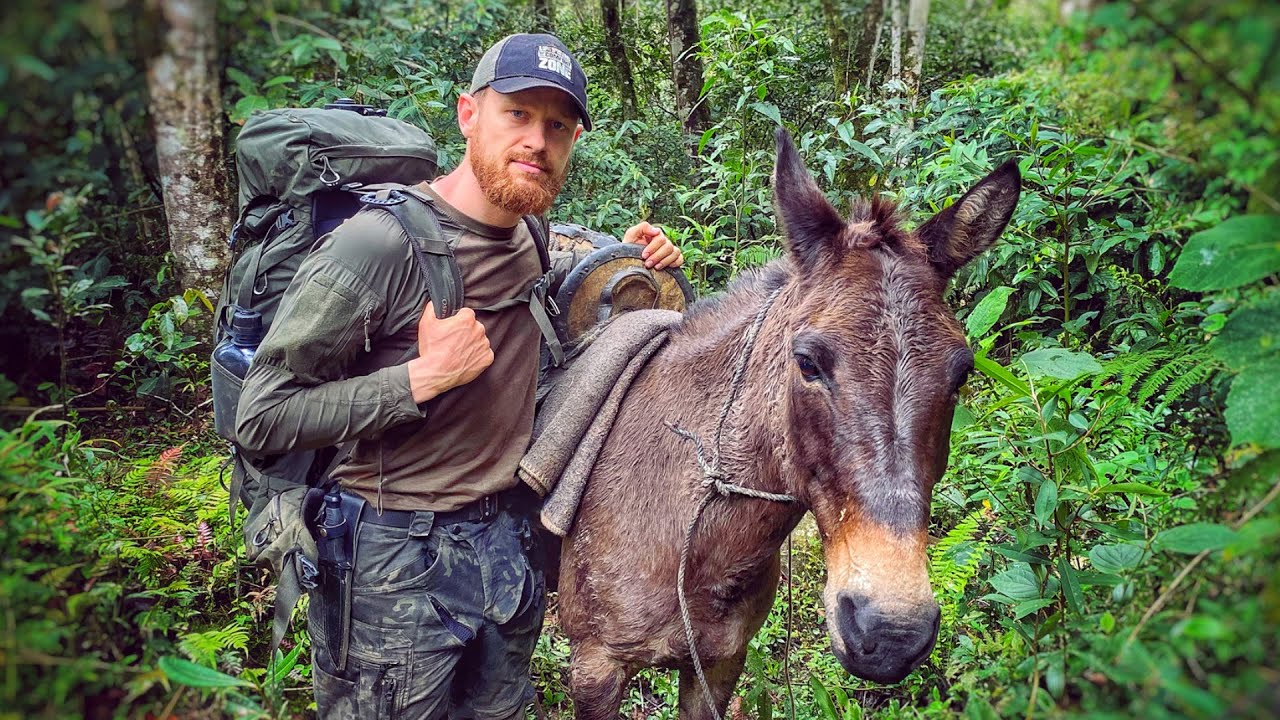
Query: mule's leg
point(721, 679)
point(597, 682)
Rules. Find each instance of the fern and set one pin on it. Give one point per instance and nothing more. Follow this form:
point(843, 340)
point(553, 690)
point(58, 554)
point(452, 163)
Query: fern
point(1132, 367)
point(204, 647)
point(953, 563)
point(1196, 365)
point(1167, 372)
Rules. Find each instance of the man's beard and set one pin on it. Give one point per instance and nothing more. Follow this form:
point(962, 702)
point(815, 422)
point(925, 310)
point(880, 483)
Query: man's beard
point(531, 195)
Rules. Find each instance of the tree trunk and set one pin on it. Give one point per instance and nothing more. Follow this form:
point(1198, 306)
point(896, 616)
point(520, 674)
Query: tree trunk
point(186, 107)
point(873, 17)
point(542, 8)
point(686, 66)
point(839, 39)
point(1067, 8)
point(896, 26)
point(611, 10)
point(917, 26)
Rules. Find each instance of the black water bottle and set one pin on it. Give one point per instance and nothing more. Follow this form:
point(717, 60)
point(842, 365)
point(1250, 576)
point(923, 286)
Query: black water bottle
point(243, 336)
point(230, 363)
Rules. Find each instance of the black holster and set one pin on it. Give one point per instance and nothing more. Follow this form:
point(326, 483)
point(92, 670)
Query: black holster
point(333, 517)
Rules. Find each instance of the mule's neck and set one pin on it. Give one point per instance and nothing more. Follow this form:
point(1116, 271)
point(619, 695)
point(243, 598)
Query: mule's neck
point(752, 449)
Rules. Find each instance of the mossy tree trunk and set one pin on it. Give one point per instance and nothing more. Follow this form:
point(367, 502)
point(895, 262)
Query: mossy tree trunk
point(612, 11)
point(186, 107)
point(684, 37)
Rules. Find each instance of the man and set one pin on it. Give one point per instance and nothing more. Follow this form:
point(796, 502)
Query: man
point(445, 603)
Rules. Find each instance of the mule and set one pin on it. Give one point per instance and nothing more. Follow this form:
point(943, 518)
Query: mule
point(845, 404)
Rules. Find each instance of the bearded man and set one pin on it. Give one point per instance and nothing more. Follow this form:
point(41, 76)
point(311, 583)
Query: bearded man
point(446, 596)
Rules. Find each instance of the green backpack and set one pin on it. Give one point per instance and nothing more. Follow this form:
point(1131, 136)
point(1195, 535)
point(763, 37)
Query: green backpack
point(302, 173)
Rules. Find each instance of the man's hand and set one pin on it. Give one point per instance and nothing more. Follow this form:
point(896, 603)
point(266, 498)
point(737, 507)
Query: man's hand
point(451, 352)
point(659, 252)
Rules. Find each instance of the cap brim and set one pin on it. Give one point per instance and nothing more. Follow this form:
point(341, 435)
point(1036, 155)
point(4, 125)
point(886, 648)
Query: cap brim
point(516, 84)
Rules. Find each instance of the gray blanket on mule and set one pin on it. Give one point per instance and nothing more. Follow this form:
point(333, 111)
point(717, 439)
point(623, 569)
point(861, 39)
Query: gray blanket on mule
point(578, 411)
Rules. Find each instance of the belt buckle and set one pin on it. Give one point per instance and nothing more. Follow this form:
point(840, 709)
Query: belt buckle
point(488, 507)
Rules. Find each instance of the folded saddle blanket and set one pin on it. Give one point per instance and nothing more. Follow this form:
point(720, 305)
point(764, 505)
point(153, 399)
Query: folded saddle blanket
point(579, 406)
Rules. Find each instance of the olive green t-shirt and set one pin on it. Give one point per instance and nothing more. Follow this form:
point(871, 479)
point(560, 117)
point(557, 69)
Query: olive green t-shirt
point(329, 370)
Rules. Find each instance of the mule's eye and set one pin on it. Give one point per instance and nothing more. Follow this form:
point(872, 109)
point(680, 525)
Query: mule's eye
point(808, 369)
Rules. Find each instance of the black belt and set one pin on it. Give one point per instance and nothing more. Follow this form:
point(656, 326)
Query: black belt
point(476, 511)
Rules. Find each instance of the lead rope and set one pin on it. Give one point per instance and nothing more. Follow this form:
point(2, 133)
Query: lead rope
point(716, 483)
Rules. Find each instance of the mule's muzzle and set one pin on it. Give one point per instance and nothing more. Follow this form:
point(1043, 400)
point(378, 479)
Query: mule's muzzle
point(879, 645)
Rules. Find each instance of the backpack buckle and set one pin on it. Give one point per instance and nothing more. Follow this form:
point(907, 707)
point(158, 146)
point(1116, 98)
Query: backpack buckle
point(393, 197)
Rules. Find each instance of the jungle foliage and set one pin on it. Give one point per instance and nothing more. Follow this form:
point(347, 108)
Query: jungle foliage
point(1107, 534)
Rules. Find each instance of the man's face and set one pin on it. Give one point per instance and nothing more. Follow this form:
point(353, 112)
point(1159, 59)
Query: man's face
point(519, 146)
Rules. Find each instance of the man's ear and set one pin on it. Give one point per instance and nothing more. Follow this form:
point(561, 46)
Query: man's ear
point(468, 114)
point(965, 230)
point(577, 133)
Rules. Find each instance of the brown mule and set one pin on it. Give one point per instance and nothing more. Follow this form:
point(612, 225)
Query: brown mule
point(846, 406)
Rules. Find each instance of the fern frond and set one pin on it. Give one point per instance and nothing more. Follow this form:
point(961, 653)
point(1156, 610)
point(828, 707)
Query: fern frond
point(1197, 374)
point(1184, 364)
point(204, 647)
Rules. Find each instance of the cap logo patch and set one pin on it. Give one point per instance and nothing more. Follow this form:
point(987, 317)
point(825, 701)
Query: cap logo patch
point(554, 59)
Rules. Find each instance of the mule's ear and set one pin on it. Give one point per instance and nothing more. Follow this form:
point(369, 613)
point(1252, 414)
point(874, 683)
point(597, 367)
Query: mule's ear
point(966, 229)
point(809, 222)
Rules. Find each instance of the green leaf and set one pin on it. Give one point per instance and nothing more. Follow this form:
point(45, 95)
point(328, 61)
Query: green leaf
point(988, 311)
point(1018, 582)
point(1194, 538)
point(768, 110)
point(1238, 251)
point(248, 104)
point(1055, 678)
point(864, 151)
point(1026, 607)
point(977, 708)
point(1060, 364)
point(1046, 501)
point(1252, 415)
point(1000, 374)
point(1115, 558)
point(278, 80)
point(823, 699)
point(1251, 336)
point(706, 137)
point(325, 43)
point(1107, 622)
point(1130, 488)
point(284, 665)
point(185, 672)
point(35, 66)
point(1070, 586)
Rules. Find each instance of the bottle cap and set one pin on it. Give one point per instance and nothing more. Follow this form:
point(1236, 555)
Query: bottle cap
point(246, 328)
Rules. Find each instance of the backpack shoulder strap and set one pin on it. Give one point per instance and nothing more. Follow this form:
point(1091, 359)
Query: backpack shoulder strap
point(432, 253)
point(541, 238)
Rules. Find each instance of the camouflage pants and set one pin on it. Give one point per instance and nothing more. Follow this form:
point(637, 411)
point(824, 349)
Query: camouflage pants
point(443, 622)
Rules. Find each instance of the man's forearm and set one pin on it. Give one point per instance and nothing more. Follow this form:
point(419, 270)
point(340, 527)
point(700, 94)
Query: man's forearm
point(277, 415)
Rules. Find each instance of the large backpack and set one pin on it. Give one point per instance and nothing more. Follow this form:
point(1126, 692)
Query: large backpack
point(303, 172)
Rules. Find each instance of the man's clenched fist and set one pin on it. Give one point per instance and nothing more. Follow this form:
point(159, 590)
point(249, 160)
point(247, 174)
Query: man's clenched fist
point(451, 352)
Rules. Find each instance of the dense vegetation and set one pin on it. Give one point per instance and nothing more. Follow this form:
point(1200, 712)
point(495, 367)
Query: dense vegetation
point(1107, 535)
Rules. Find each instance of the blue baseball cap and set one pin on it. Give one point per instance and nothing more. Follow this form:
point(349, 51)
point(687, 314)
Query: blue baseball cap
point(524, 61)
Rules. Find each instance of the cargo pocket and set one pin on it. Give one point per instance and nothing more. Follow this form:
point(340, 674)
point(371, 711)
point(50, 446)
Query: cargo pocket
point(388, 559)
point(510, 586)
point(365, 690)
